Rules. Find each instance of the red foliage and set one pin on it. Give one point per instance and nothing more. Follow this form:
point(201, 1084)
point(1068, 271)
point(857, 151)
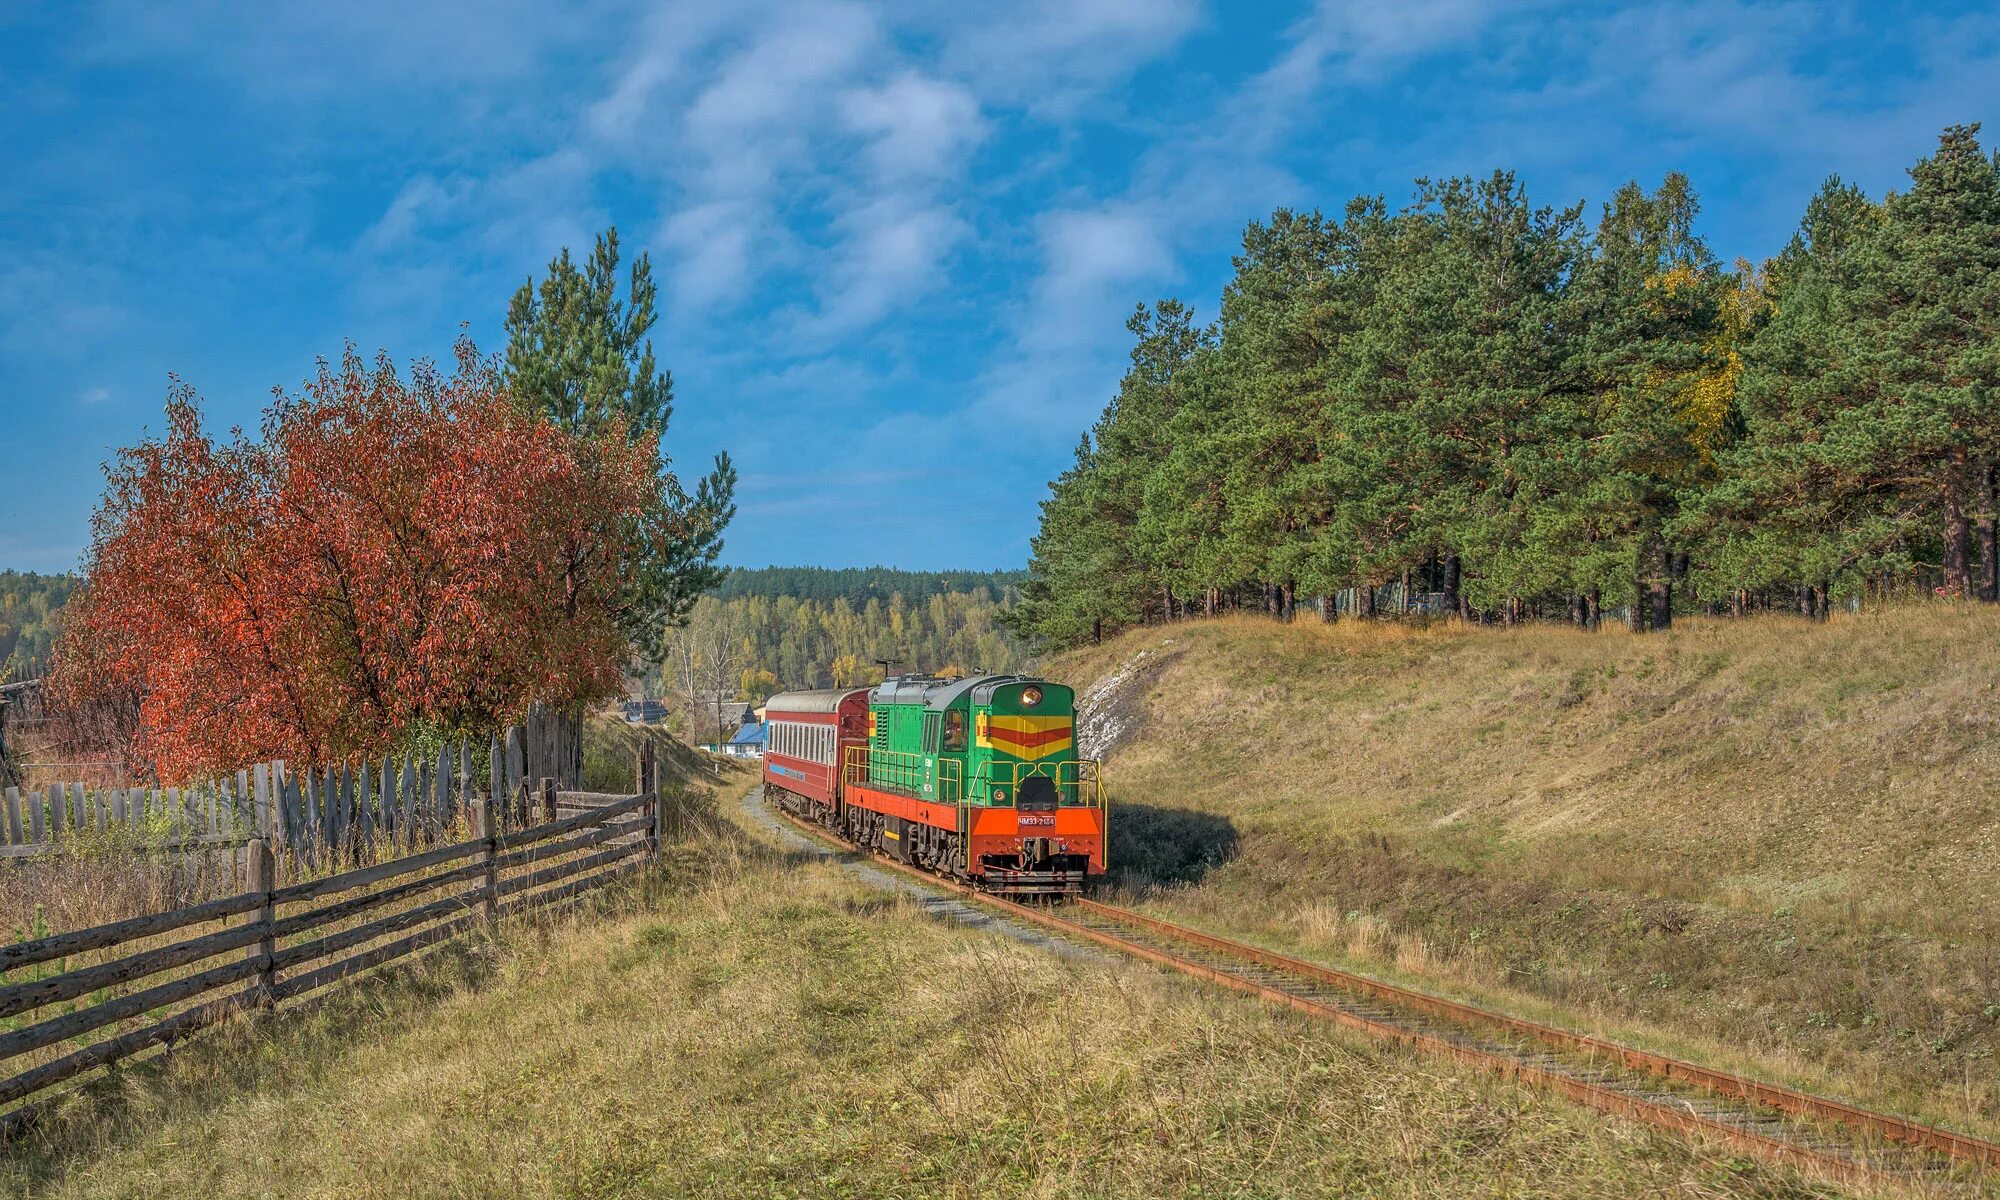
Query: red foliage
point(387, 553)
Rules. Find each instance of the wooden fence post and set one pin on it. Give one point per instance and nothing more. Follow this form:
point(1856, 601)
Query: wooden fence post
point(480, 809)
point(548, 798)
point(263, 880)
point(642, 776)
point(517, 774)
point(659, 813)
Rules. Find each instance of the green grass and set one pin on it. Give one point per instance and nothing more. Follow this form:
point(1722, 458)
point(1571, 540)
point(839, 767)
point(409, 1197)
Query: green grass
point(746, 1025)
point(1760, 842)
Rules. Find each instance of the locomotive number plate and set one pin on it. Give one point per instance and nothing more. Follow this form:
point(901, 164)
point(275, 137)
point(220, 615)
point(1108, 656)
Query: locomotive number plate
point(1045, 820)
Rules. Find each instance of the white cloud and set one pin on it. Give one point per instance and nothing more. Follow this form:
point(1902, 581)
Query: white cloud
point(712, 244)
point(920, 126)
point(1051, 55)
point(1362, 38)
point(1065, 353)
point(419, 201)
point(91, 397)
point(662, 61)
point(892, 251)
point(1092, 262)
point(725, 111)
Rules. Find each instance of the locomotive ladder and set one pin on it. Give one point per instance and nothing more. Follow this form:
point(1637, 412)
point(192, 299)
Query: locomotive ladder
point(1823, 1137)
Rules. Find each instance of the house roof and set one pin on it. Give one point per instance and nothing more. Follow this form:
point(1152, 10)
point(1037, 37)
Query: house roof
point(750, 735)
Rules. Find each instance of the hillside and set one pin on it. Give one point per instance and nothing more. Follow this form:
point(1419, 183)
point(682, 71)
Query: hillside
point(751, 1025)
point(1762, 839)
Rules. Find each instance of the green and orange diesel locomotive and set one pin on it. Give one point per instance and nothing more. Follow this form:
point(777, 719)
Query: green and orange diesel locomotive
point(973, 778)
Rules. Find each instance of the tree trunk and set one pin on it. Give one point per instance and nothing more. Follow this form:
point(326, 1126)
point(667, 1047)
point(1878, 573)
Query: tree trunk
point(1450, 588)
point(1211, 599)
point(1364, 600)
point(1820, 610)
point(1805, 602)
point(1327, 609)
point(1736, 601)
point(1989, 535)
point(1576, 616)
point(1636, 621)
point(1406, 591)
point(1097, 632)
point(1957, 546)
point(1288, 598)
point(1661, 601)
point(1593, 604)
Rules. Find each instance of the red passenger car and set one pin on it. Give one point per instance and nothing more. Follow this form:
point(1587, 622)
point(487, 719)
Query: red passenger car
point(809, 736)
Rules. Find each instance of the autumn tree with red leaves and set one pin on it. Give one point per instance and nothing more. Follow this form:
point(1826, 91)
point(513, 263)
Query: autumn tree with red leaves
point(388, 553)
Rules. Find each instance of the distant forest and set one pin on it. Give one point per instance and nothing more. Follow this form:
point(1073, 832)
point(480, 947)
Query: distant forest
point(783, 628)
point(1498, 410)
point(30, 617)
point(797, 626)
point(859, 585)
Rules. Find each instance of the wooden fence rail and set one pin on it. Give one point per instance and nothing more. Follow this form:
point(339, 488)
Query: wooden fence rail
point(318, 815)
point(290, 950)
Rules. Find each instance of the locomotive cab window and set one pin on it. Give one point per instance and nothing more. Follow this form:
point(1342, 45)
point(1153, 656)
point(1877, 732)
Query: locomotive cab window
point(931, 726)
point(954, 732)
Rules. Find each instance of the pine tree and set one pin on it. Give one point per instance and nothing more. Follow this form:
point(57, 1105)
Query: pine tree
point(1782, 511)
point(1921, 321)
point(1650, 299)
point(1086, 576)
point(579, 354)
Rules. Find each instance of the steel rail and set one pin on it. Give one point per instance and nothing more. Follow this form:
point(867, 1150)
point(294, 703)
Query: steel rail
point(1831, 1163)
point(1771, 1095)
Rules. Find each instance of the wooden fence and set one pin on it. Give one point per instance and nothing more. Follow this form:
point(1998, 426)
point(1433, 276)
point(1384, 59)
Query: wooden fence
point(321, 814)
point(295, 939)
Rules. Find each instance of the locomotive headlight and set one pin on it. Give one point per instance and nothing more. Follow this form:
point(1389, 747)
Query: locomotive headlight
point(1000, 795)
point(1030, 697)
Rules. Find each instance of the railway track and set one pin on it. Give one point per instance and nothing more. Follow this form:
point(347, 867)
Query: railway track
point(1823, 1137)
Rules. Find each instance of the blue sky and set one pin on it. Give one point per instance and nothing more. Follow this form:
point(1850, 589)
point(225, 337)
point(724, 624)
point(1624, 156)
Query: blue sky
point(897, 243)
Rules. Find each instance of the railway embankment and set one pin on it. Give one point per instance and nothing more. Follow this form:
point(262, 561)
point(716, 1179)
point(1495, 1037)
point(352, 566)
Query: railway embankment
point(1765, 844)
point(753, 1020)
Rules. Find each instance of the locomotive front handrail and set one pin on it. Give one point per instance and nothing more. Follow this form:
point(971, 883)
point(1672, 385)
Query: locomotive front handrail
point(1077, 780)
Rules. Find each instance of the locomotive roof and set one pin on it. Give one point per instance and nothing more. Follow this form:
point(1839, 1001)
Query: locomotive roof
point(820, 700)
point(932, 692)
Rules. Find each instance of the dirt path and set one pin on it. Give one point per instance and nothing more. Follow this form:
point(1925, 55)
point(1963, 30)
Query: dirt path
point(934, 903)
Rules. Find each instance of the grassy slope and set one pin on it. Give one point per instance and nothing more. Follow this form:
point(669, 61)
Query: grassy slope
point(1757, 839)
point(611, 750)
point(739, 1030)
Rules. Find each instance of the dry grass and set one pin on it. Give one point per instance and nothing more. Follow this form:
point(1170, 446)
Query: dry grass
point(1756, 838)
point(611, 746)
point(97, 877)
point(745, 1026)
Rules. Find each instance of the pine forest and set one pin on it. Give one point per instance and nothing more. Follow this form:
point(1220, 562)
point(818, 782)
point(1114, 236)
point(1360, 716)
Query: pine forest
point(1483, 406)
